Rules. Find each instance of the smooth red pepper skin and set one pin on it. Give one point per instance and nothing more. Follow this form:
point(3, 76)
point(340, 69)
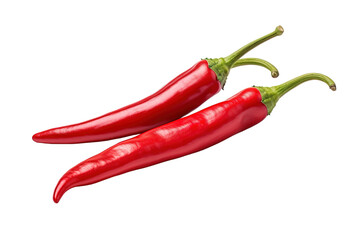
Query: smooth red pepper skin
point(178, 138)
point(180, 96)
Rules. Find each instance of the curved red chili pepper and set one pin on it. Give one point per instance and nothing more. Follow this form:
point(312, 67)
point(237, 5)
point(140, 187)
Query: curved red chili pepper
point(183, 136)
point(180, 96)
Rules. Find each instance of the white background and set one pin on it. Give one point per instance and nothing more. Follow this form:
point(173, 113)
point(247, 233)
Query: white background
point(296, 175)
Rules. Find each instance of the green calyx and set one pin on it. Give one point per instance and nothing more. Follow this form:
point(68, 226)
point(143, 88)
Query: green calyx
point(270, 95)
point(222, 66)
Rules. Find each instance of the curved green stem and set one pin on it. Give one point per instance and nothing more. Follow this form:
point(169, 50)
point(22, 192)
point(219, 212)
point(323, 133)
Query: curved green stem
point(270, 95)
point(221, 66)
point(257, 62)
point(232, 58)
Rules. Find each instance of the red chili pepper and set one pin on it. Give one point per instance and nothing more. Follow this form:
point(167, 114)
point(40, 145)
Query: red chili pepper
point(179, 97)
point(183, 136)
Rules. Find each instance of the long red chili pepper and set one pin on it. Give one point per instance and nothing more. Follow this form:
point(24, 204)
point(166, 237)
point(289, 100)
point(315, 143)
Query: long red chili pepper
point(179, 97)
point(183, 136)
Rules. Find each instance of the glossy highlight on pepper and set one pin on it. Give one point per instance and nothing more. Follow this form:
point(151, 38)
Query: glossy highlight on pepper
point(177, 98)
point(183, 136)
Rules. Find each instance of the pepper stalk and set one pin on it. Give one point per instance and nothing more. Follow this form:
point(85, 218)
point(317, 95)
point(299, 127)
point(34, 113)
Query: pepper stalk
point(270, 95)
point(222, 66)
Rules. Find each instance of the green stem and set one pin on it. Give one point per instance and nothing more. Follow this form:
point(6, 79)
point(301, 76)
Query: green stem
point(221, 66)
point(270, 95)
point(257, 62)
point(232, 58)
